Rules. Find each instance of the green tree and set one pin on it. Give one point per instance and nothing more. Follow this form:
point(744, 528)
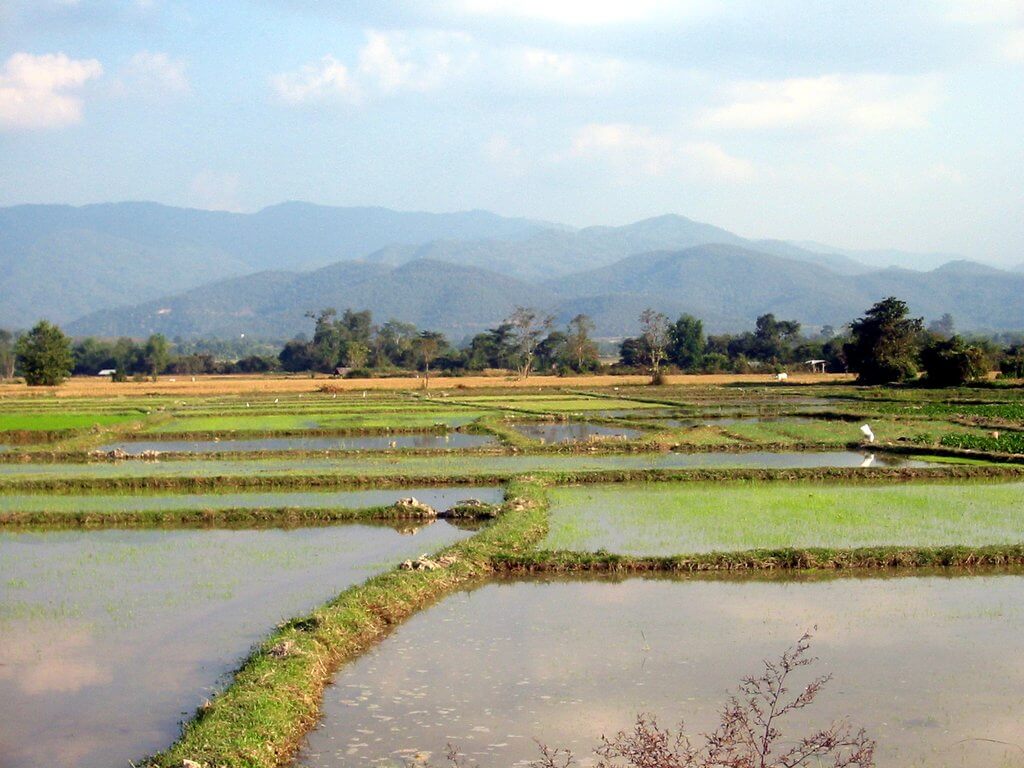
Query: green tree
point(883, 345)
point(44, 355)
point(952, 363)
point(686, 343)
point(156, 354)
point(355, 354)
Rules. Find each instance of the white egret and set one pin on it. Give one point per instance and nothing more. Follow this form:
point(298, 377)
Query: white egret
point(866, 431)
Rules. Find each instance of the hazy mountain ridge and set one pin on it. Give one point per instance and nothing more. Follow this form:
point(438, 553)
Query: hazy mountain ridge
point(135, 268)
point(725, 285)
point(62, 262)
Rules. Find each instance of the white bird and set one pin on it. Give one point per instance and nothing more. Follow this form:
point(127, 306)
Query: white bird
point(277, 399)
point(866, 431)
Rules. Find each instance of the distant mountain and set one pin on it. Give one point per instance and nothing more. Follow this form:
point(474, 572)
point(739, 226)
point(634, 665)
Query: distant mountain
point(885, 257)
point(457, 299)
point(552, 253)
point(727, 286)
point(61, 262)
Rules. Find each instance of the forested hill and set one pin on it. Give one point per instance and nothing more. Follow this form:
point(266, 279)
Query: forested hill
point(726, 285)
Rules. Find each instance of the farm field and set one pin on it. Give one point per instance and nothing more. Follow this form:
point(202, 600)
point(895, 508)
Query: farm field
point(250, 540)
point(667, 518)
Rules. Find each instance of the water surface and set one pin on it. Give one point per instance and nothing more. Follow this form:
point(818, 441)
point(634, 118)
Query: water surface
point(438, 498)
point(420, 441)
point(456, 465)
point(109, 638)
point(573, 431)
point(929, 665)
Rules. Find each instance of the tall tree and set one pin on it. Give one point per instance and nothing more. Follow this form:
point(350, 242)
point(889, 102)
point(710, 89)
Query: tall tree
point(528, 327)
point(156, 354)
point(581, 349)
point(952, 363)
point(44, 355)
point(654, 336)
point(426, 347)
point(7, 356)
point(883, 345)
point(686, 343)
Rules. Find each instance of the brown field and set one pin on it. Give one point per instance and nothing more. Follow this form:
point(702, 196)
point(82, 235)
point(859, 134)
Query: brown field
point(92, 386)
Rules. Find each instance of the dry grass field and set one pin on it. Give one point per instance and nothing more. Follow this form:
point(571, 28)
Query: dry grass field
point(90, 386)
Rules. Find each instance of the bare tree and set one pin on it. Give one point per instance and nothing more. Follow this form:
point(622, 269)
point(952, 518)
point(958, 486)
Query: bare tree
point(581, 348)
point(748, 735)
point(528, 327)
point(427, 346)
point(654, 333)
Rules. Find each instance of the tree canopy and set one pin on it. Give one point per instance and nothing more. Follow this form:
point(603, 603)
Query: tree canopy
point(44, 355)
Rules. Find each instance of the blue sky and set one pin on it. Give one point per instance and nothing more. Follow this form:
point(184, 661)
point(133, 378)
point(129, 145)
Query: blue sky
point(860, 124)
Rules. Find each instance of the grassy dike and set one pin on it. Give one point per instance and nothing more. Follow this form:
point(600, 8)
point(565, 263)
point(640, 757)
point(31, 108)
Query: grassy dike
point(260, 719)
point(397, 479)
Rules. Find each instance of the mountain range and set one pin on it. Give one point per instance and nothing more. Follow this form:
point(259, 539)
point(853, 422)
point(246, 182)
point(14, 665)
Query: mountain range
point(136, 268)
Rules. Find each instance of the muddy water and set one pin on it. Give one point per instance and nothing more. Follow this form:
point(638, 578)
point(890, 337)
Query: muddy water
point(930, 666)
point(438, 498)
point(456, 465)
point(109, 638)
point(573, 432)
point(421, 441)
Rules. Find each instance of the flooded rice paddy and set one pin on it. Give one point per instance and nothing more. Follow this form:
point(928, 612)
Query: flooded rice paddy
point(438, 498)
point(930, 666)
point(671, 518)
point(419, 441)
point(573, 432)
point(454, 465)
point(110, 638)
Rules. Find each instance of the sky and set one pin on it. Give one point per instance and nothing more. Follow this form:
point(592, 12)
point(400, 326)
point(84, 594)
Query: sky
point(859, 124)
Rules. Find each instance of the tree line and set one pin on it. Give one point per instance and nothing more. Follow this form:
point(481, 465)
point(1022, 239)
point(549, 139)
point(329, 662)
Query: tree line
point(885, 345)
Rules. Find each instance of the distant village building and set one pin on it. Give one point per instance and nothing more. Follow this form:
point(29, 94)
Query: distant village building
point(107, 372)
point(817, 366)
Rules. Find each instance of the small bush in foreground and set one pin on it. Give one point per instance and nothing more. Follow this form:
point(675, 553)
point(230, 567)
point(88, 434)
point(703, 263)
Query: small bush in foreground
point(748, 735)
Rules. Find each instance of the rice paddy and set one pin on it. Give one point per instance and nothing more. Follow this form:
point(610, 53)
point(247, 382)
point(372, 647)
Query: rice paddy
point(159, 547)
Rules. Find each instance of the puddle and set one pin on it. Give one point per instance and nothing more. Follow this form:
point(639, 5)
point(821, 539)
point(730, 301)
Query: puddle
point(110, 638)
point(930, 666)
point(438, 498)
point(573, 431)
point(455, 465)
point(423, 440)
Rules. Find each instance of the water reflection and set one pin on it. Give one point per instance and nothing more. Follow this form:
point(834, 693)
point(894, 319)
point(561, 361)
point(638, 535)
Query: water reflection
point(573, 431)
point(418, 441)
point(925, 664)
point(109, 638)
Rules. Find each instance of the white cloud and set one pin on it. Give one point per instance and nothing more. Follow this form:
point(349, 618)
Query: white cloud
point(1012, 46)
point(153, 74)
point(390, 63)
point(327, 77)
point(638, 149)
point(986, 11)
point(587, 12)
point(860, 103)
point(40, 91)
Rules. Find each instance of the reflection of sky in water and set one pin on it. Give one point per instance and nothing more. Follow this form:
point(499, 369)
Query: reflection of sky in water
point(349, 443)
point(922, 663)
point(109, 638)
point(573, 431)
point(439, 498)
point(454, 464)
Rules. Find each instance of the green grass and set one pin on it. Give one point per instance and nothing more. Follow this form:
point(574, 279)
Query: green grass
point(1007, 442)
point(59, 422)
point(668, 519)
